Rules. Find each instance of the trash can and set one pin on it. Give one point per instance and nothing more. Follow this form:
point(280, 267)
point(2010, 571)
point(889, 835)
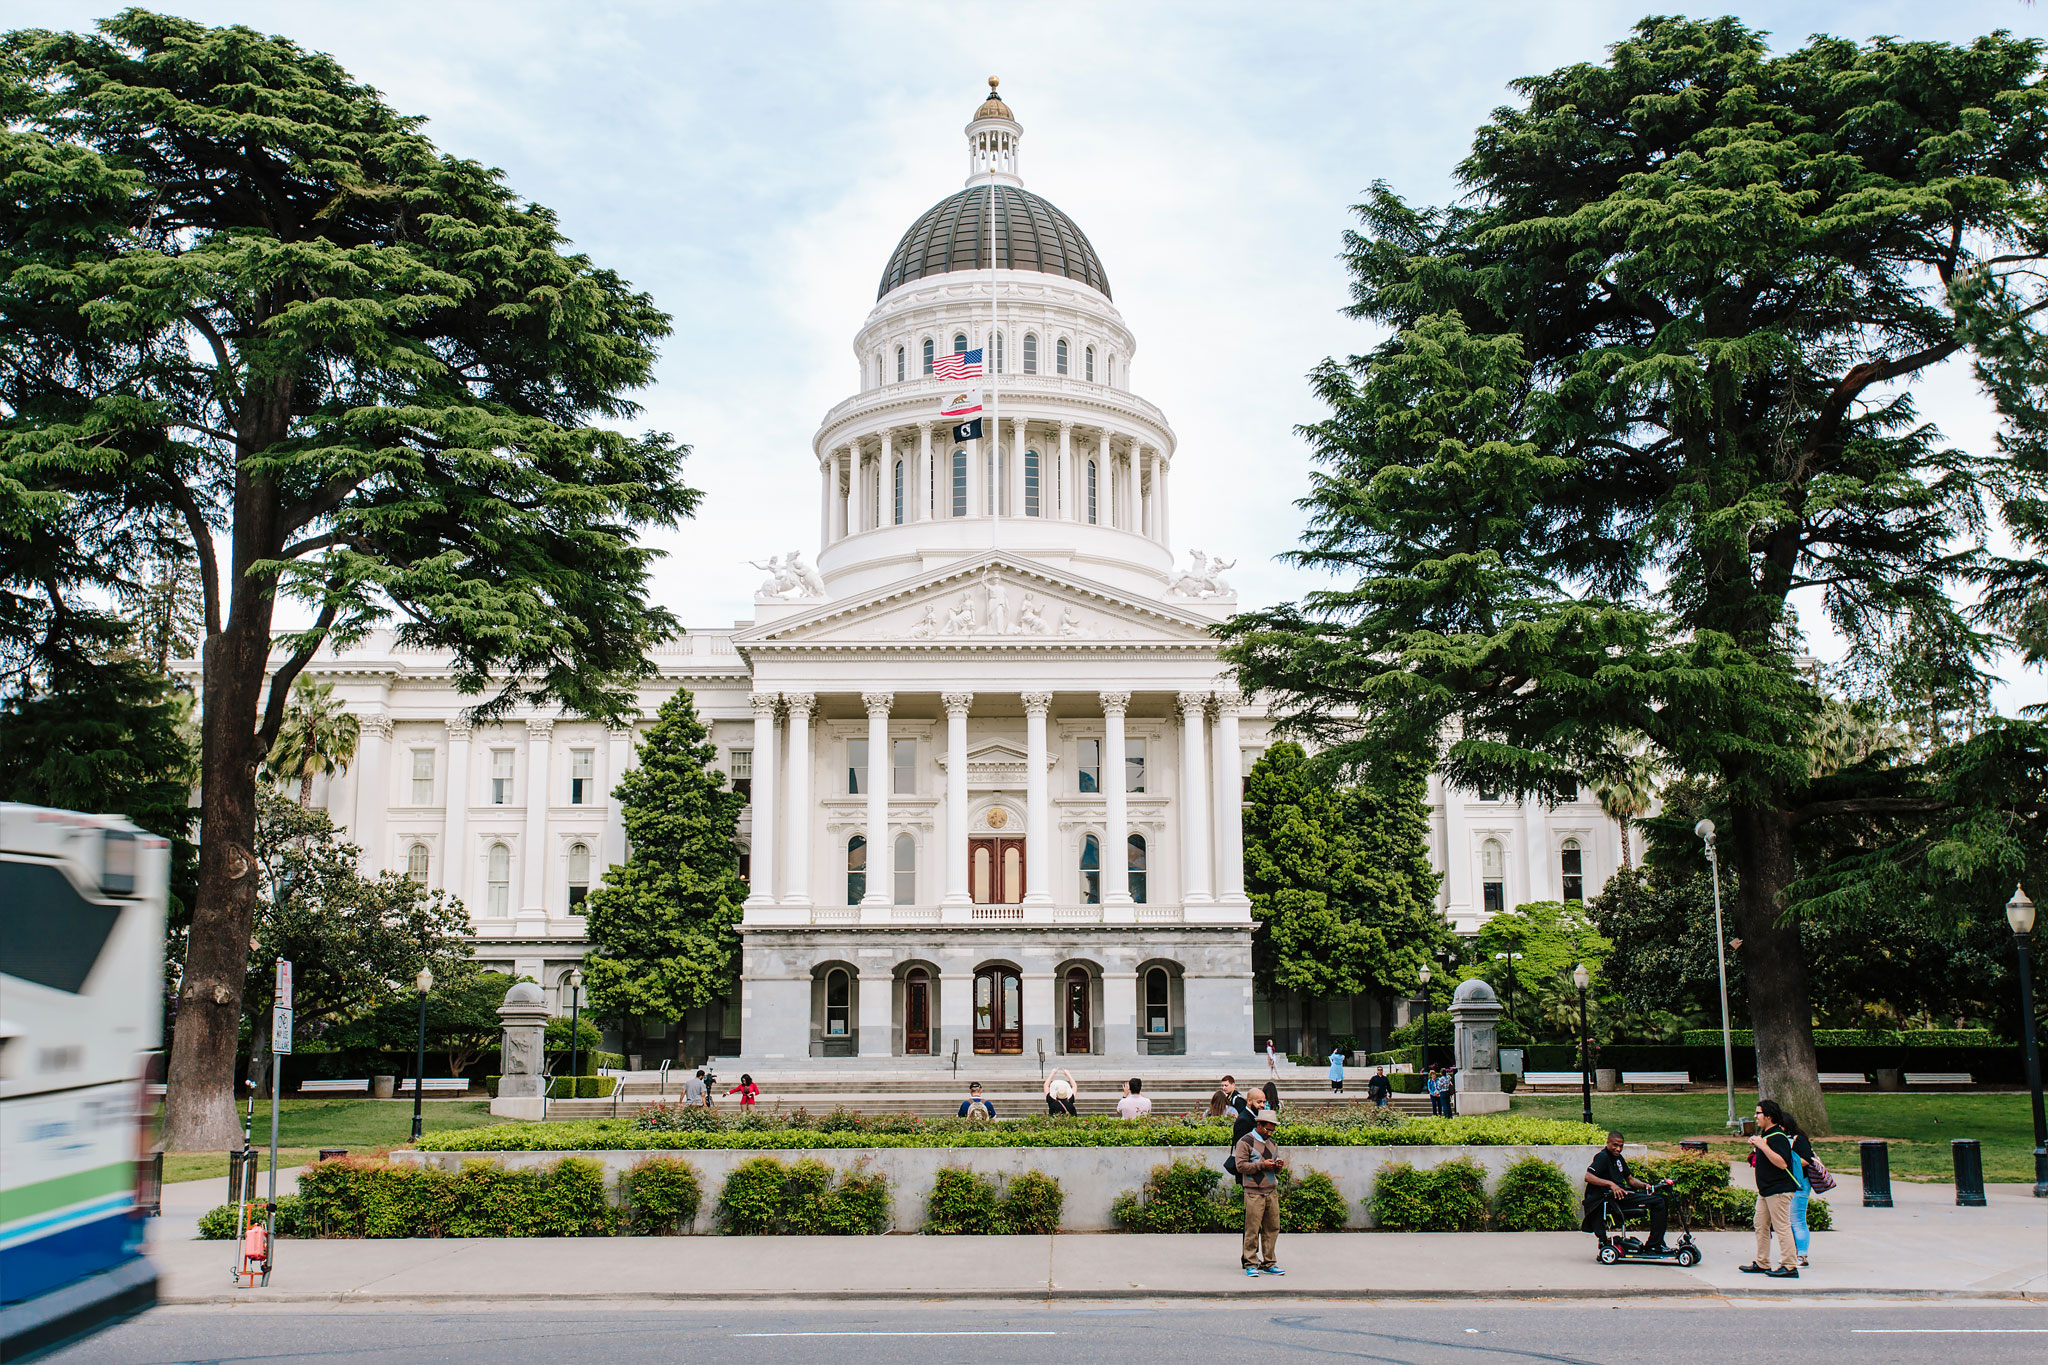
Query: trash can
point(330, 1153)
point(383, 1087)
point(1891, 1078)
point(1969, 1163)
point(1877, 1174)
point(1606, 1079)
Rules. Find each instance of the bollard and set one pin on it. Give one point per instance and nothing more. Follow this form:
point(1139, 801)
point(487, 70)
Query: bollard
point(1969, 1159)
point(1877, 1175)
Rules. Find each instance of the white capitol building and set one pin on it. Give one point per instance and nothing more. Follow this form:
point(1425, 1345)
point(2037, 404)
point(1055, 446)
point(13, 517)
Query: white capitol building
point(994, 763)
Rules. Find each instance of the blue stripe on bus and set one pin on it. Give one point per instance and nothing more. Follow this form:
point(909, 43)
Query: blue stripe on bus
point(31, 1268)
point(18, 1231)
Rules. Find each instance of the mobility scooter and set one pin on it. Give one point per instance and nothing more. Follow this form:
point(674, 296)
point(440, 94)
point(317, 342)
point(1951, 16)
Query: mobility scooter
point(1617, 1246)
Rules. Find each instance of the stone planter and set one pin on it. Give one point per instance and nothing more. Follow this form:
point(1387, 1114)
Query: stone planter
point(383, 1087)
point(1606, 1078)
point(1891, 1078)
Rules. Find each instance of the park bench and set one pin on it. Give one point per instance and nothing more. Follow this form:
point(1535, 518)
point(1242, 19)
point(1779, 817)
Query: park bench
point(1938, 1078)
point(1843, 1078)
point(333, 1087)
point(1656, 1080)
point(437, 1085)
point(1531, 1079)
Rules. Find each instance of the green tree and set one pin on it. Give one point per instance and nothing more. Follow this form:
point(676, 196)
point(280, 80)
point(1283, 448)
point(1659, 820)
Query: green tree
point(1624, 782)
point(1338, 876)
point(1553, 937)
point(317, 739)
point(663, 925)
point(1642, 385)
point(246, 296)
point(462, 1017)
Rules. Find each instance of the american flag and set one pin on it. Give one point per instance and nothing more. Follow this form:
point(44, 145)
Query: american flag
point(959, 365)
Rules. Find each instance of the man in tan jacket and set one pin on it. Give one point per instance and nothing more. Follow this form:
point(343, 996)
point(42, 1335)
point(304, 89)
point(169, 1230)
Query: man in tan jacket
point(1258, 1167)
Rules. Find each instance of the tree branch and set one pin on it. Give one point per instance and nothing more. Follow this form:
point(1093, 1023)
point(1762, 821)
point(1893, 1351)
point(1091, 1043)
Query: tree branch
point(221, 357)
point(310, 544)
point(320, 504)
point(288, 672)
point(204, 430)
point(1866, 805)
point(202, 545)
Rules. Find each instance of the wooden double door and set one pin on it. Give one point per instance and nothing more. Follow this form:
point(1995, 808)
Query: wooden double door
point(998, 1011)
point(995, 870)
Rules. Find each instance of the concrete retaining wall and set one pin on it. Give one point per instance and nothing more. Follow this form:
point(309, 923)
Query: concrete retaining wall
point(1090, 1176)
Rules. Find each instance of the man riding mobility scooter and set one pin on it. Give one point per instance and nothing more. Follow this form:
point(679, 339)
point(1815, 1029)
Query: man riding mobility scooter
point(1613, 1193)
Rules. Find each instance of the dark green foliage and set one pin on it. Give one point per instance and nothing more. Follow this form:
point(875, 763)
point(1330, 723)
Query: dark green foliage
point(218, 1224)
point(1641, 385)
point(762, 1196)
point(1448, 1197)
point(1339, 876)
point(1032, 1203)
point(462, 1019)
point(1309, 1202)
point(1534, 1195)
point(1184, 1195)
point(662, 1195)
point(963, 1201)
point(678, 1118)
point(588, 1039)
point(663, 926)
point(357, 1198)
point(1400, 1198)
point(1713, 1200)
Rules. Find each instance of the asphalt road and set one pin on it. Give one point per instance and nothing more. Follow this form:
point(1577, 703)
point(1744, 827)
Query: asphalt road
point(1455, 1333)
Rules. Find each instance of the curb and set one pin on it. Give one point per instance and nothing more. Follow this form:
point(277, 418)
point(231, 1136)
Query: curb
point(1039, 1295)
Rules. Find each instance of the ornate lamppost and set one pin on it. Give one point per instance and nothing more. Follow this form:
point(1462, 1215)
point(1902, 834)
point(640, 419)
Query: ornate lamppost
point(2019, 913)
point(575, 1010)
point(1423, 977)
point(1511, 959)
point(1582, 979)
point(424, 982)
point(1705, 829)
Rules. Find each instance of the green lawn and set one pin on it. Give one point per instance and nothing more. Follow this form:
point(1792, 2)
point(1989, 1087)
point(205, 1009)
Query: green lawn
point(1918, 1127)
point(305, 1125)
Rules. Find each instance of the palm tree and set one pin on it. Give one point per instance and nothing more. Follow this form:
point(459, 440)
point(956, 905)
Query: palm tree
point(1625, 784)
point(317, 738)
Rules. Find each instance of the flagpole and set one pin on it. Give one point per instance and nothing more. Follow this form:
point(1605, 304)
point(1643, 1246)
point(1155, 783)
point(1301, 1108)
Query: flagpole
point(994, 464)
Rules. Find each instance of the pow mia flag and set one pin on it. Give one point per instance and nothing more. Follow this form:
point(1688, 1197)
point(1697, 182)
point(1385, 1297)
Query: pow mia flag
point(968, 431)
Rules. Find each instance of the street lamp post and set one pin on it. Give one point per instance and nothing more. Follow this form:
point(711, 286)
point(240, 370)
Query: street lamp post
point(1705, 829)
point(1423, 976)
point(424, 982)
point(1511, 959)
point(575, 1011)
point(1582, 979)
point(2019, 913)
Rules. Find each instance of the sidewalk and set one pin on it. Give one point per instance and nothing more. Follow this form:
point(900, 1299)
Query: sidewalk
point(1926, 1247)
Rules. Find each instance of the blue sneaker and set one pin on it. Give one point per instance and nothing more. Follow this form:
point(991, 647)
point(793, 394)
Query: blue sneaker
point(1272, 1270)
point(1252, 1271)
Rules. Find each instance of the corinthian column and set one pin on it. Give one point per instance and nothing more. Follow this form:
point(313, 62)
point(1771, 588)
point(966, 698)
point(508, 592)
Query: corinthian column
point(761, 807)
point(1194, 805)
point(540, 742)
point(1229, 799)
point(877, 899)
point(455, 858)
point(796, 885)
point(956, 704)
point(1116, 814)
point(1037, 811)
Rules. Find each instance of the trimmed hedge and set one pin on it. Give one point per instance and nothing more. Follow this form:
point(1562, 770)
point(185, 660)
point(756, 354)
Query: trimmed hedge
point(1359, 1128)
point(962, 1202)
point(1715, 1200)
point(350, 1197)
point(662, 1195)
point(218, 1224)
point(1857, 1037)
point(1535, 1195)
point(1186, 1195)
point(1450, 1197)
point(763, 1196)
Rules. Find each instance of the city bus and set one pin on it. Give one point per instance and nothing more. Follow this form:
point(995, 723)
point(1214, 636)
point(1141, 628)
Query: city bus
point(82, 901)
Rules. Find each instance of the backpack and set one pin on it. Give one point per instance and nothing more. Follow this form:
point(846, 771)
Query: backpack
point(1817, 1176)
point(977, 1109)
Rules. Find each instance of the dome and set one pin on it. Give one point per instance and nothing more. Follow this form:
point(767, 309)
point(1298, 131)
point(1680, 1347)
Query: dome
point(1031, 234)
point(1474, 991)
point(524, 993)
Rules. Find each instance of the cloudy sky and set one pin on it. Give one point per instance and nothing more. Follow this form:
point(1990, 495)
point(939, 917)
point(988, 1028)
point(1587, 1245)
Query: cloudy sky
point(752, 166)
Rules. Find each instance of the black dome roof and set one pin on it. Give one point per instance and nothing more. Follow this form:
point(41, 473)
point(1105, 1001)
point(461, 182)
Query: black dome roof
point(1031, 234)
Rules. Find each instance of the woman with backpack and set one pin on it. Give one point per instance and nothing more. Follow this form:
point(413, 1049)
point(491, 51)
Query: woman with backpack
point(1809, 1172)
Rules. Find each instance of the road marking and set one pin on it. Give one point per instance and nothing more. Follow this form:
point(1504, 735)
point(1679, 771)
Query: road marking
point(1946, 1331)
point(895, 1334)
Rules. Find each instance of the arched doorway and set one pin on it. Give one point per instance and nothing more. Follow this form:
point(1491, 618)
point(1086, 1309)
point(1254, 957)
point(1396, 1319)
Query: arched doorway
point(1079, 1018)
point(917, 1012)
point(998, 1010)
point(996, 868)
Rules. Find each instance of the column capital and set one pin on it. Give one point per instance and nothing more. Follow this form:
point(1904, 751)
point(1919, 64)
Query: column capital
point(1194, 703)
point(1114, 703)
point(1036, 703)
point(763, 703)
point(1228, 699)
point(878, 702)
point(459, 730)
point(539, 727)
point(1066, 428)
point(380, 726)
point(799, 702)
point(621, 731)
point(956, 703)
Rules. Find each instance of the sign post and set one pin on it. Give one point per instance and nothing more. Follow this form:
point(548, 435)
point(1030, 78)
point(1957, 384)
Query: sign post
point(280, 1048)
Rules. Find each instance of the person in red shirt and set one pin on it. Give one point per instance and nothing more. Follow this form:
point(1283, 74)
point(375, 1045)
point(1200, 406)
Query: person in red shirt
point(746, 1089)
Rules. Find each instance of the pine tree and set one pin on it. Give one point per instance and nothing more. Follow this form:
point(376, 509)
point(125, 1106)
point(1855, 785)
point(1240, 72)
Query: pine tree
point(1339, 877)
point(662, 924)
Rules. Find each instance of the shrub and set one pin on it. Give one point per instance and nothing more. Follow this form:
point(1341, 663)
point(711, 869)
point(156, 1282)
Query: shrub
point(1704, 1185)
point(218, 1224)
point(491, 1085)
point(764, 1196)
point(1032, 1203)
point(355, 1198)
point(1178, 1196)
point(1310, 1203)
point(1534, 1195)
point(1400, 1198)
point(678, 1118)
point(663, 1194)
point(1818, 1218)
point(1449, 1197)
point(844, 1120)
point(962, 1202)
point(751, 1202)
point(860, 1203)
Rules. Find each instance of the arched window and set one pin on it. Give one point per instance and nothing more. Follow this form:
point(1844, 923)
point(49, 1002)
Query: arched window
point(1108, 369)
point(498, 901)
point(899, 493)
point(1030, 483)
point(1031, 353)
point(1088, 364)
point(906, 870)
point(1571, 866)
point(1137, 868)
point(929, 349)
point(959, 483)
point(856, 869)
point(1091, 493)
point(959, 342)
point(838, 1001)
point(1091, 870)
point(900, 363)
point(579, 876)
point(999, 353)
point(416, 863)
point(1493, 865)
point(1158, 1001)
point(1059, 356)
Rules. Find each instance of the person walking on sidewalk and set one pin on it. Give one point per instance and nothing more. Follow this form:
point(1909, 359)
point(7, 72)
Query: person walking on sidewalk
point(1802, 1152)
point(1258, 1166)
point(1272, 1062)
point(1772, 1155)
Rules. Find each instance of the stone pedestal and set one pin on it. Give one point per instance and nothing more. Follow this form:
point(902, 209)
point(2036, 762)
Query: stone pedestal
point(522, 1054)
point(1475, 1015)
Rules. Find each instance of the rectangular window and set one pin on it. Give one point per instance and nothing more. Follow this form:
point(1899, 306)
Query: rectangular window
point(959, 483)
point(501, 777)
point(1572, 869)
point(1134, 765)
point(903, 763)
point(856, 767)
point(1030, 483)
point(1088, 764)
point(897, 504)
point(743, 772)
point(1489, 793)
point(1496, 898)
point(423, 777)
point(747, 867)
point(582, 776)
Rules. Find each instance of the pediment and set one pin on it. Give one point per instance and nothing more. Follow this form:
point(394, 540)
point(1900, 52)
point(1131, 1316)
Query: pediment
point(988, 601)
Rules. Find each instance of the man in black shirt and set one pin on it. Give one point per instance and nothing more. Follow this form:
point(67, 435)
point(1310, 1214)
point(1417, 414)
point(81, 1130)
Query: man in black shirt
point(1609, 1178)
point(1775, 1186)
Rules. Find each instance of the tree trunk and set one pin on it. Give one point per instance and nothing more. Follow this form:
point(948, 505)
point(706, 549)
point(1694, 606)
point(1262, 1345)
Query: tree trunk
point(1774, 966)
point(1628, 860)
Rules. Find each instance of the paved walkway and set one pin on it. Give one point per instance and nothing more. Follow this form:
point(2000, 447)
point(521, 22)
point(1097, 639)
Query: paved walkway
point(1924, 1247)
